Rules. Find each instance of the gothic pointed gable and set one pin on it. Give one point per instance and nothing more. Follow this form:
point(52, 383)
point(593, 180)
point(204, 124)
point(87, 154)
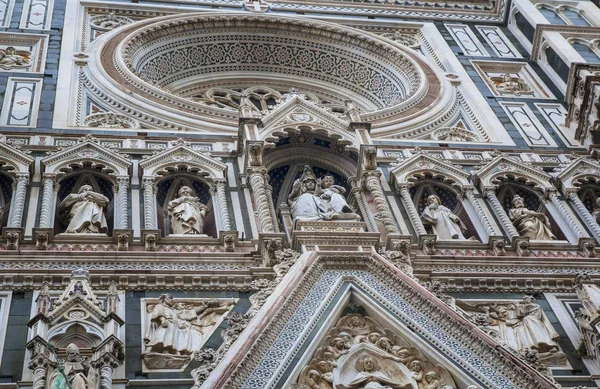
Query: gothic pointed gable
point(87, 151)
point(578, 172)
point(502, 167)
point(296, 114)
point(13, 159)
point(288, 334)
point(412, 169)
point(180, 154)
point(78, 294)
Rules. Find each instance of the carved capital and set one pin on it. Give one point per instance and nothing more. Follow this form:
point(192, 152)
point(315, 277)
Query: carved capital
point(255, 153)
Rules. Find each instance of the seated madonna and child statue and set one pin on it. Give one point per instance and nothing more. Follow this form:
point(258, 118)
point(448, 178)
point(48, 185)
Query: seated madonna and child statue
point(312, 199)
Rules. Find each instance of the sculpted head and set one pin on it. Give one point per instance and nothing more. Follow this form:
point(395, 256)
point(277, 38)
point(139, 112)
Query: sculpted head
point(72, 352)
point(167, 299)
point(185, 191)
point(10, 50)
point(431, 376)
point(367, 364)
point(416, 366)
point(323, 367)
point(374, 337)
point(434, 200)
point(518, 202)
point(314, 375)
point(85, 188)
point(328, 180)
point(528, 300)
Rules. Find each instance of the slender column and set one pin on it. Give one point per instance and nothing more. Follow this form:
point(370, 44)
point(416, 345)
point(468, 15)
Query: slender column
point(106, 375)
point(258, 185)
point(223, 209)
point(122, 186)
point(565, 214)
point(19, 200)
point(269, 189)
point(470, 194)
point(149, 203)
point(584, 213)
point(39, 377)
point(412, 210)
point(49, 181)
point(384, 213)
point(490, 194)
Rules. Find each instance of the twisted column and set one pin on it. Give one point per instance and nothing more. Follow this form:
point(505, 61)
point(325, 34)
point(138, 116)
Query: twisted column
point(39, 377)
point(584, 213)
point(412, 210)
point(106, 375)
point(258, 185)
point(384, 213)
point(565, 214)
point(490, 194)
point(149, 203)
point(223, 209)
point(470, 194)
point(269, 189)
point(122, 185)
point(19, 191)
point(49, 181)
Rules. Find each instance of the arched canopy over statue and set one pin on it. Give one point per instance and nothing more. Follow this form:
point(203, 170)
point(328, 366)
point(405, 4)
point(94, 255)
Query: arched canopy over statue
point(534, 225)
point(312, 199)
point(85, 211)
point(187, 213)
point(441, 221)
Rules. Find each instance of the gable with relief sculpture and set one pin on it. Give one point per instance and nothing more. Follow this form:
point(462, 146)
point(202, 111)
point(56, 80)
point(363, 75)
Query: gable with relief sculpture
point(309, 341)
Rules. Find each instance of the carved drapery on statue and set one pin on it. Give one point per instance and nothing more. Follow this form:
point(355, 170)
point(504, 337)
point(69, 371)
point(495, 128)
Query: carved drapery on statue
point(175, 329)
point(76, 372)
point(187, 213)
point(359, 353)
point(312, 199)
point(84, 211)
point(441, 221)
point(531, 224)
point(520, 325)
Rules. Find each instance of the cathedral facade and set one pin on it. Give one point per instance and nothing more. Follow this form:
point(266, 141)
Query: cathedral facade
point(308, 194)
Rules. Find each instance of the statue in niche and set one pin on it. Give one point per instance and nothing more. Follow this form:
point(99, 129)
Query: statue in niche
point(308, 202)
point(359, 353)
point(534, 225)
point(596, 213)
point(85, 211)
point(75, 372)
point(177, 329)
point(506, 83)
point(441, 221)
point(9, 59)
point(521, 325)
point(370, 376)
point(186, 213)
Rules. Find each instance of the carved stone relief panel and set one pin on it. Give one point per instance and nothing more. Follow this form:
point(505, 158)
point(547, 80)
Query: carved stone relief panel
point(174, 328)
point(520, 325)
point(512, 79)
point(359, 353)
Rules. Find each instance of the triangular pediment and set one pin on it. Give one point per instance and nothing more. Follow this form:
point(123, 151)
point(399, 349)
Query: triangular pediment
point(580, 169)
point(181, 154)
point(287, 333)
point(503, 167)
point(87, 151)
point(421, 164)
point(14, 160)
point(297, 114)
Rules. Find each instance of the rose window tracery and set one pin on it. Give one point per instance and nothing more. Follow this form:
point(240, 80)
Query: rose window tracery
point(188, 72)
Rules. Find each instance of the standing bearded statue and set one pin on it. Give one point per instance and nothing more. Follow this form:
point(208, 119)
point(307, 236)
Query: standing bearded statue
point(441, 221)
point(85, 211)
point(534, 225)
point(187, 213)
